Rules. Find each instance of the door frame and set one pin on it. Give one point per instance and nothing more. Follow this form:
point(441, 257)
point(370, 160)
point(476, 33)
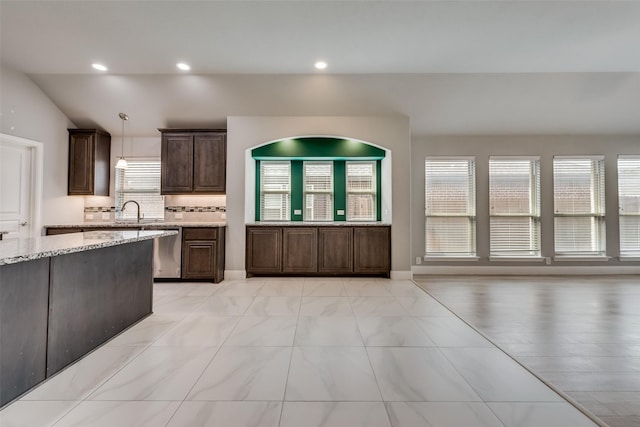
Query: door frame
point(37, 174)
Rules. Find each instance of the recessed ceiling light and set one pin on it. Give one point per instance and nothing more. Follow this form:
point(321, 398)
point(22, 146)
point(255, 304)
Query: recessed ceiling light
point(183, 66)
point(320, 65)
point(99, 67)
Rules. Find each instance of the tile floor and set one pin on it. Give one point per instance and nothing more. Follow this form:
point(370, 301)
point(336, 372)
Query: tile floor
point(582, 334)
point(295, 353)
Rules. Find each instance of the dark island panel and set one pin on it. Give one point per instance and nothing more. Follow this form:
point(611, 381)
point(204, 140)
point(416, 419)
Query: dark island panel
point(94, 296)
point(24, 300)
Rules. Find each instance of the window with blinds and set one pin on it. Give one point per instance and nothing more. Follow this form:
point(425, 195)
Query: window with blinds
point(361, 191)
point(579, 206)
point(318, 191)
point(275, 191)
point(514, 188)
point(450, 207)
point(140, 181)
point(629, 204)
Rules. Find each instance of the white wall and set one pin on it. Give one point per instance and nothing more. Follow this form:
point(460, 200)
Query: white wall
point(28, 113)
point(482, 147)
point(392, 133)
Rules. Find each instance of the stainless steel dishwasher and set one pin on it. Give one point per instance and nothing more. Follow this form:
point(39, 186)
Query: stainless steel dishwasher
point(167, 256)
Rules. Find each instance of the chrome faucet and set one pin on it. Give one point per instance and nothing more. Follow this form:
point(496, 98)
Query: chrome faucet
point(131, 201)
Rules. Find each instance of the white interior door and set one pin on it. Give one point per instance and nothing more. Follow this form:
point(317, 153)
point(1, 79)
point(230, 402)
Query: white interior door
point(16, 188)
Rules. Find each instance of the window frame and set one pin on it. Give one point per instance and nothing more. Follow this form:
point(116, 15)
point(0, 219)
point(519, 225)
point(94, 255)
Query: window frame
point(373, 192)
point(143, 196)
point(329, 191)
point(262, 191)
point(533, 214)
point(471, 208)
point(633, 253)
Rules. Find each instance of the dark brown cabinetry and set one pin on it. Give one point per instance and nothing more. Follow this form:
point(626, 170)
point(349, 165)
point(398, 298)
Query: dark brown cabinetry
point(300, 250)
point(89, 162)
point(318, 251)
point(203, 254)
point(264, 250)
point(193, 161)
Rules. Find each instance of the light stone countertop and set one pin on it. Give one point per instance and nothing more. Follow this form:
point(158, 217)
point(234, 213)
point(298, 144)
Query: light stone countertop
point(133, 224)
point(13, 251)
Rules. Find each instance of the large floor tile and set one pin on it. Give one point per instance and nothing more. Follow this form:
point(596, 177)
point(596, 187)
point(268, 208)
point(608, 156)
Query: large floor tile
point(405, 289)
point(159, 373)
point(80, 379)
point(331, 374)
point(263, 331)
point(441, 414)
point(365, 289)
point(325, 306)
point(227, 414)
point(240, 289)
point(451, 332)
point(282, 289)
point(327, 331)
point(199, 330)
point(393, 332)
point(121, 414)
point(418, 374)
point(274, 306)
point(324, 289)
point(177, 304)
point(377, 306)
point(221, 305)
point(34, 414)
point(423, 306)
point(244, 373)
point(148, 330)
point(334, 414)
point(528, 414)
point(497, 377)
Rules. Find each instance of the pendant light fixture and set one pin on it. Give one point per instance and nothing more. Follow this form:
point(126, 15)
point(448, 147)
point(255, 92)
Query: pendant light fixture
point(122, 162)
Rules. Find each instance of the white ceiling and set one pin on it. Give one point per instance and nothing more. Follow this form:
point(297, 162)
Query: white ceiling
point(460, 67)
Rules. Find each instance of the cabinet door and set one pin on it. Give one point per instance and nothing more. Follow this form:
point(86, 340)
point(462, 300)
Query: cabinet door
point(54, 231)
point(335, 250)
point(198, 259)
point(81, 154)
point(264, 250)
point(372, 250)
point(209, 163)
point(177, 164)
point(300, 250)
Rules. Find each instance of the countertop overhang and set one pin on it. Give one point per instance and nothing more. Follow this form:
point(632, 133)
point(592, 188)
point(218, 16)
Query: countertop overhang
point(13, 251)
point(151, 225)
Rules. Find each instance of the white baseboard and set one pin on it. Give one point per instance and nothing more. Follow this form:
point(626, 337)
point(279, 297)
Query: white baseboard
point(401, 274)
point(524, 271)
point(235, 274)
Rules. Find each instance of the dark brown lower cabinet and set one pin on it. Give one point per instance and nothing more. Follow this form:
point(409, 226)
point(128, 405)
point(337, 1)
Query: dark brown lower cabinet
point(300, 250)
point(372, 250)
point(264, 250)
point(318, 251)
point(335, 250)
point(203, 254)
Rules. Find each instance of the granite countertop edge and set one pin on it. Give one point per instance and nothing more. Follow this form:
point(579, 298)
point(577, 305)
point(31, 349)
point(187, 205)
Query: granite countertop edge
point(13, 251)
point(146, 225)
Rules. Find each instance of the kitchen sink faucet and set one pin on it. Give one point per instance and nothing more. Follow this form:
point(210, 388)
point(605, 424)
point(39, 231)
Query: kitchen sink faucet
point(131, 201)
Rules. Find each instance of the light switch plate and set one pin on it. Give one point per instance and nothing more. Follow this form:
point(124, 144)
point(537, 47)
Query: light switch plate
point(340, 212)
point(105, 215)
point(297, 211)
point(88, 216)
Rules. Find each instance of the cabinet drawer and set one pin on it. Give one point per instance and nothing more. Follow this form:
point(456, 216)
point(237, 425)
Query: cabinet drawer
point(199, 233)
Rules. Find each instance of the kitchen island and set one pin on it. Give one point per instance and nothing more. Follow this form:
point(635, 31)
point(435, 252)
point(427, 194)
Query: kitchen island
point(62, 296)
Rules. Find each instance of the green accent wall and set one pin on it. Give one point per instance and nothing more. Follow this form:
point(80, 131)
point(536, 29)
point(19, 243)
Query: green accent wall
point(339, 190)
point(379, 190)
point(296, 190)
point(257, 190)
point(317, 148)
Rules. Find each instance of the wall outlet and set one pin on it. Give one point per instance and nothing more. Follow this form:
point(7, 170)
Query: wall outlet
point(88, 216)
point(105, 215)
point(340, 212)
point(178, 215)
point(418, 260)
point(297, 211)
point(547, 260)
point(223, 215)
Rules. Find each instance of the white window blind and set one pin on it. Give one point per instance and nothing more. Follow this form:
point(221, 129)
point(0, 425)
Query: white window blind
point(275, 191)
point(361, 191)
point(514, 188)
point(318, 191)
point(578, 194)
point(450, 207)
point(629, 202)
point(140, 181)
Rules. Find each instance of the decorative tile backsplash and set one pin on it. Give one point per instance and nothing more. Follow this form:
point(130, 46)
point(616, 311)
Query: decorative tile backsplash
point(96, 209)
point(195, 208)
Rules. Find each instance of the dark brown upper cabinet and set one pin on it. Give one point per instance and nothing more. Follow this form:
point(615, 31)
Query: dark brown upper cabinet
point(89, 162)
point(194, 161)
